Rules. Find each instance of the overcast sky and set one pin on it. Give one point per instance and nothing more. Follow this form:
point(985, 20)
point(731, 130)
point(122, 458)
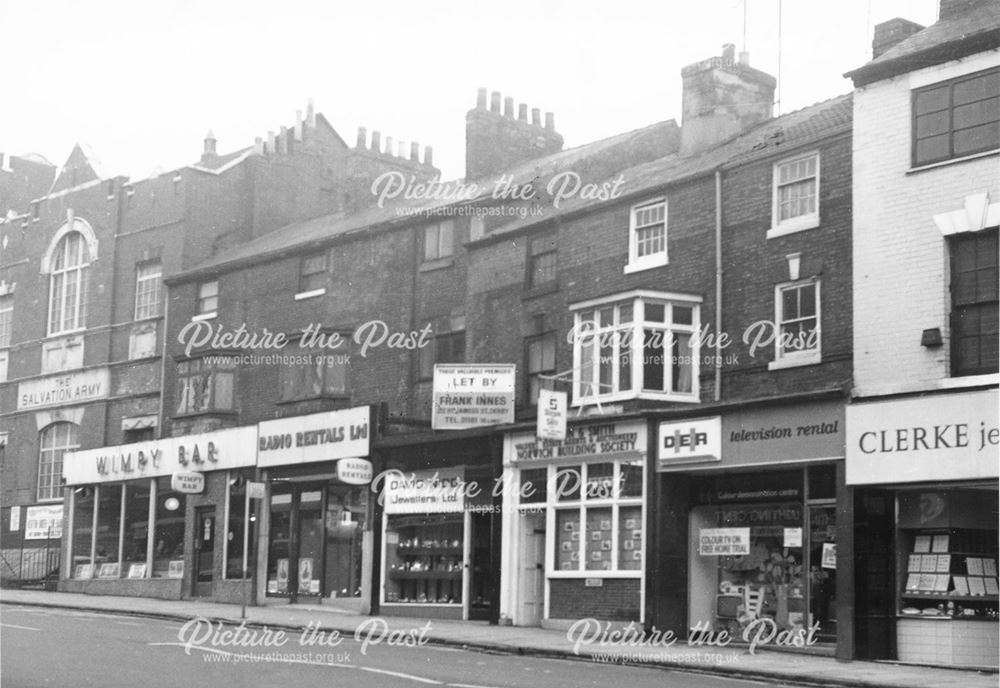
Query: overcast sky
point(142, 82)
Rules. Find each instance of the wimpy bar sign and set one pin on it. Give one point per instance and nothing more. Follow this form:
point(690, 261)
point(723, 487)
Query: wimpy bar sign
point(222, 450)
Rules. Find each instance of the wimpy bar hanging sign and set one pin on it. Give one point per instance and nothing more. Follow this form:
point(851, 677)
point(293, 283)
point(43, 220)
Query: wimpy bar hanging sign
point(211, 451)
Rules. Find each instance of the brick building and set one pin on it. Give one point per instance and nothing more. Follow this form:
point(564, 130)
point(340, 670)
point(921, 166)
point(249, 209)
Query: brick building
point(82, 301)
point(927, 206)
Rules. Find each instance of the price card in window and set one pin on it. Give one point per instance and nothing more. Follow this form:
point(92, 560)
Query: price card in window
point(793, 537)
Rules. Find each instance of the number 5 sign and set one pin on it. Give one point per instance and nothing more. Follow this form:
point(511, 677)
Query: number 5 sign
point(551, 415)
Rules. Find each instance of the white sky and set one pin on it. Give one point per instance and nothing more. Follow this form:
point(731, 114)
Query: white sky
point(142, 82)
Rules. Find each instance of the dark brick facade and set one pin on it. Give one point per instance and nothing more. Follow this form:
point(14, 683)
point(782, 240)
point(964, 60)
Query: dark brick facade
point(616, 600)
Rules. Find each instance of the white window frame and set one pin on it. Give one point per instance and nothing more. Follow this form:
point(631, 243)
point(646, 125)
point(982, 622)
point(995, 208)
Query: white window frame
point(635, 299)
point(204, 314)
point(146, 308)
point(795, 358)
point(6, 319)
point(800, 222)
point(637, 263)
point(438, 244)
point(69, 445)
point(59, 280)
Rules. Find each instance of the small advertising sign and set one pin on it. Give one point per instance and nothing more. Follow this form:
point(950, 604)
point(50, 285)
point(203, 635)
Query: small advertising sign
point(354, 471)
point(15, 518)
point(551, 415)
point(793, 537)
point(689, 441)
point(256, 490)
point(829, 557)
point(426, 492)
point(188, 482)
point(472, 396)
point(326, 436)
point(724, 541)
point(43, 522)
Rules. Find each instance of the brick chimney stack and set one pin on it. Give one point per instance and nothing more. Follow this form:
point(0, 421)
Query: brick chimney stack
point(949, 9)
point(209, 153)
point(892, 32)
point(722, 97)
point(496, 140)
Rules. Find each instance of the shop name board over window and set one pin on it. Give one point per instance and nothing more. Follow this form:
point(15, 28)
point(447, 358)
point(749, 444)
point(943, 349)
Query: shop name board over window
point(472, 396)
point(212, 451)
point(427, 492)
point(688, 441)
point(324, 436)
point(939, 437)
point(609, 440)
point(60, 390)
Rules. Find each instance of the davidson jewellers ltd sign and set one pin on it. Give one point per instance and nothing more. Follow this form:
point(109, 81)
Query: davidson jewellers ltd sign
point(211, 451)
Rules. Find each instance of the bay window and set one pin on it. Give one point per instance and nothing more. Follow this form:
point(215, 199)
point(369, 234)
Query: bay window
point(638, 345)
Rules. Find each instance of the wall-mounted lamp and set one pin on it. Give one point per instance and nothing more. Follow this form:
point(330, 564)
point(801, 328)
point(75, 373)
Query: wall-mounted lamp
point(931, 338)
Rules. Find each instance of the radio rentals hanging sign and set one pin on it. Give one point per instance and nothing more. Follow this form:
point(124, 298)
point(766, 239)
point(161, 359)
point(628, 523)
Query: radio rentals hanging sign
point(472, 396)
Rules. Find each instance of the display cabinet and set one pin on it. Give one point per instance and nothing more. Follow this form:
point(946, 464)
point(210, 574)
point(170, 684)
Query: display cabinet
point(424, 559)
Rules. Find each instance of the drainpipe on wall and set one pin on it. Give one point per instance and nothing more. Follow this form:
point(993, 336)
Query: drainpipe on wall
point(163, 360)
point(718, 284)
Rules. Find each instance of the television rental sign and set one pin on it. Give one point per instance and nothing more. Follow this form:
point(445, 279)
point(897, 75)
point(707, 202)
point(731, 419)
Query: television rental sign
point(723, 541)
point(324, 436)
point(472, 396)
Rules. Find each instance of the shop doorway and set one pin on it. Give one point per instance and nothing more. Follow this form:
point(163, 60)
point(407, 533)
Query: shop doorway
point(531, 583)
point(875, 576)
point(481, 579)
point(204, 551)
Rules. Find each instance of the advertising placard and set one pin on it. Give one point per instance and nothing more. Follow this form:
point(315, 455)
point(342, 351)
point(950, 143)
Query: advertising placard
point(472, 396)
point(324, 436)
point(43, 522)
point(723, 541)
point(689, 441)
point(552, 408)
point(615, 440)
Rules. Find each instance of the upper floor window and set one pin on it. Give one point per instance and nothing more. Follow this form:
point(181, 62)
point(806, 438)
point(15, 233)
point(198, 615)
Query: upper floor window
point(647, 236)
point(54, 441)
point(796, 315)
point(796, 195)
point(540, 360)
point(6, 319)
point(147, 290)
point(205, 384)
point(448, 347)
point(956, 118)
point(208, 297)
point(541, 261)
point(439, 240)
point(974, 304)
point(639, 346)
point(313, 373)
point(69, 268)
point(312, 274)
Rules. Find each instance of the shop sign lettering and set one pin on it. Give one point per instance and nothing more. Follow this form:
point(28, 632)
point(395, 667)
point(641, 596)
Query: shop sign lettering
point(187, 482)
point(61, 390)
point(354, 471)
point(606, 439)
point(327, 436)
point(689, 442)
point(468, 396)
point(723, 541)
point(425, 492)
point(44, 522)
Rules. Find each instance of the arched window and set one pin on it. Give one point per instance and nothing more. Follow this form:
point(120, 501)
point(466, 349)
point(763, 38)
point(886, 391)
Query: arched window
point(54, 441)
point(68, 284)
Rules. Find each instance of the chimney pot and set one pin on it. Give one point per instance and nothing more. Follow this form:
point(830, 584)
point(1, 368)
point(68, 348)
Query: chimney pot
point(258, 146)
point(283, 140)
point(522, 112)
point(415, 151)
point(495, 102)
point(481, 99)
point(210, 143)
point(536, 117)
point(362, 137)
point(388, 145)
point(550, 121)
point(377, 141)
point(744, 58)
point(508, 107)
point(298, 125)
point(310, 115)
point(401, 149)
point(271, 144)
point(728, 52)
point(428, 155)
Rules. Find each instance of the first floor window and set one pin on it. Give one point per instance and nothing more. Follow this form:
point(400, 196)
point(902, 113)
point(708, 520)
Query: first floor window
point(439, 240)
point(54, 442)
point(956, 118)
point(312, 273)
point(312, 373)
point(797, 321)
point(974, 304)
point(640, 346)
point(648, 235)
point(541, 261)
point(541, 361)
point(147, 290)
point(796, 192)
point(208, 297)
point(445, 348)
point(204, 387)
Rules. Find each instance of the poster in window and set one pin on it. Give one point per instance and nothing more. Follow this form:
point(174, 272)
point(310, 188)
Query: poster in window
point(961, 585)
point(829, 559)
point(305, 573)
point(940, 543)
point(944, 563)
point(913, 562)
point(991, 586)
point(137, 571)
point(913, 582)
point(990, 567)
point(84, 571)
point(175, 569)
point(976, 586)
point(974, 566)
point(282, 575)
point(922, 543)
point(108, 571)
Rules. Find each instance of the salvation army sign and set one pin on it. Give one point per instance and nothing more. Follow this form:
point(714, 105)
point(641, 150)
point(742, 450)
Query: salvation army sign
point(61, 390)
point(324, 436)
point(210, 451)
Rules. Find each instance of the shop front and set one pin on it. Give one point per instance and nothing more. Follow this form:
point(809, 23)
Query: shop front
point(162, 518)
point(438, 506)
point(745, 528)
point(922, 473)
point(574, 522)
point(316, 533)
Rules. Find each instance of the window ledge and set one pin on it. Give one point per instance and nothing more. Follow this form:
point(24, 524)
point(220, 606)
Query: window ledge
point(150, 320)
point(204, 316)
point(542, 290)
point(207, 412)
point(312, 293)
point(438, 264)
point(952, 161)
point(646, 263)
point(795, 362)
point(630, 396)
point(793, 226)
point(318, 397)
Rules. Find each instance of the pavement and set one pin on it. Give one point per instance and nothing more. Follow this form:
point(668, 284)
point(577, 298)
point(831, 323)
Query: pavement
point(766, 664)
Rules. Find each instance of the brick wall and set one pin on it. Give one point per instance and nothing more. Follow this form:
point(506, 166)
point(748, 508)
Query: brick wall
point(895, 238)
point(616, 600)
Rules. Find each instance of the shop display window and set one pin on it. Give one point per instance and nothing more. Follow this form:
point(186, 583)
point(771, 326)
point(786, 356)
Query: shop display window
point(83, 531)
point(136, 532)
point(168, 531)
point(109, 519)
point(235, 526)
point(424, 555)
point(280, 537)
